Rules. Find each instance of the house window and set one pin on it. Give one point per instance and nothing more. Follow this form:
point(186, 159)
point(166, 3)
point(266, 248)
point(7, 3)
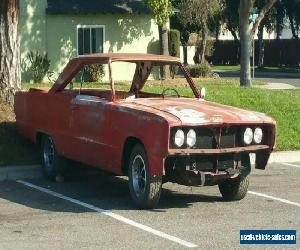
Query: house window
point(90, 39)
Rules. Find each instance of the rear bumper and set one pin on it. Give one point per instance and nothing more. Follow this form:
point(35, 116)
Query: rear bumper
point(217, 151)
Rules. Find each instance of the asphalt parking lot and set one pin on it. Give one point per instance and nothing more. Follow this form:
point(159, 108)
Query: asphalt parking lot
point(96, 212)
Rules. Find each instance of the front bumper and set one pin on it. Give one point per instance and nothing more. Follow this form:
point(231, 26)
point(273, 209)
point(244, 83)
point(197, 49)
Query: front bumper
point(217, 151)
point(196, 167)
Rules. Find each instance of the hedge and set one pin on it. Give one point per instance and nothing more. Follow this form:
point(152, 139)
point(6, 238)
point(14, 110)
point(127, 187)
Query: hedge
point(285, 52)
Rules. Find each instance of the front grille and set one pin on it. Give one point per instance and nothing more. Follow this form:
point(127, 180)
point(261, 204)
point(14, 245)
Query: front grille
point(204, 138)
point(202, 162)
point(208, 138)
point(208, 162)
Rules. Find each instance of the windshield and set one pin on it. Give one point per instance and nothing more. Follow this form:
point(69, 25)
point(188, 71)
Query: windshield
point(145, 79)
point(150, 78)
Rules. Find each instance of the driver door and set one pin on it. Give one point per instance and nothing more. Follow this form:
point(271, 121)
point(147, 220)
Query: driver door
point(87, 124)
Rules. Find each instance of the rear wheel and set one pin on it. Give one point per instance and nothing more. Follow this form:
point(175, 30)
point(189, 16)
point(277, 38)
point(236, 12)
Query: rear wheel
point(52, 164)
point(145, 189)
point(237, 188)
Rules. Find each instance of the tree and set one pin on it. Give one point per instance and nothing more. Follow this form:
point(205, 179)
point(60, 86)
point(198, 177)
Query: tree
point(230, 18)
point(273, 21)
point(200, 14)
point(162, 10)
point(10, 72)
point(292, 8)
point(280, 18)
point(247, 35)
point(268, 23)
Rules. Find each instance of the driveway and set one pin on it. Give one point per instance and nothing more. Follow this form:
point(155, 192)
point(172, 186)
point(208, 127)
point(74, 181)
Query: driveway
point(96, 212)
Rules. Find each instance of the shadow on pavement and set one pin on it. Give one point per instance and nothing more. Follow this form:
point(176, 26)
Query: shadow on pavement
point(99, 189)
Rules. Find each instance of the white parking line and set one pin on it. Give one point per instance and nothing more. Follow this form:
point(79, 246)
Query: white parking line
point(110, 214)
point(291, 165)
point(275, 198)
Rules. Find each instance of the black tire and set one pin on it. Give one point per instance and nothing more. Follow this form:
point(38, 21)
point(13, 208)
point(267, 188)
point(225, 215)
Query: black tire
point(237, 188)
point(234, 190)
point(53, 165)
point(145, 189)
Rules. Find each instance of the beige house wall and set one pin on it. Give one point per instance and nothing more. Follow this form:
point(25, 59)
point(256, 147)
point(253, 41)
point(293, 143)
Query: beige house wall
point(57, 35)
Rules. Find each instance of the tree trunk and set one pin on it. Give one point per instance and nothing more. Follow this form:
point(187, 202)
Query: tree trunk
point(185, 54)
point(204, 42)
point(184, 41)
point(261, 46)
point(218, 30)
point(295, 35)
point(236, 44)
point(10, 72)
point(245, 39)
point(164, 48)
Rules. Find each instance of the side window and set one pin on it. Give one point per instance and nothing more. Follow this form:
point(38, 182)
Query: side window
point(90, 39)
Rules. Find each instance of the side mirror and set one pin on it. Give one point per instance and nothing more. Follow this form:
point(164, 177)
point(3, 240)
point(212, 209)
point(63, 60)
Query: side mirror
point(202, 93)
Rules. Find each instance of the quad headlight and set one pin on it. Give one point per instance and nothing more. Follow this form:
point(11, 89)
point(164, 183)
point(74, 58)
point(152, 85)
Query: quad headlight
point(248, 136)
point(179, 138)
point(191, 138)
point(258, 135)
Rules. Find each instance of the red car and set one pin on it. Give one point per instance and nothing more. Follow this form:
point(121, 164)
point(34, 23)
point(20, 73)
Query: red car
point(152, 137)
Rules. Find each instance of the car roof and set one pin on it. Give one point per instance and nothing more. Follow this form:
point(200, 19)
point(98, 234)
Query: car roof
point(128, 57)
point(76, 64)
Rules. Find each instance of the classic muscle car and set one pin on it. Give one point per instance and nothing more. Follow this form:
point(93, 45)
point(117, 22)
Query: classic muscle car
point(150, 137)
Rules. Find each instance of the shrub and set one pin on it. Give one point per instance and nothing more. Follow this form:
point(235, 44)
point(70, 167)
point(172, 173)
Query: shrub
point(174, 43)
point(201, 70)
point(174, 48)
point(38, 66)
point(94, 73)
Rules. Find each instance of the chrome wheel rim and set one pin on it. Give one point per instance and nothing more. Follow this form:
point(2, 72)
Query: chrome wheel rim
point(139, 175)
point(48, 154)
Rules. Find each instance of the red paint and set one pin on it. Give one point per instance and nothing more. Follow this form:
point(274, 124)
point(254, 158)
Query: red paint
point(92, 128)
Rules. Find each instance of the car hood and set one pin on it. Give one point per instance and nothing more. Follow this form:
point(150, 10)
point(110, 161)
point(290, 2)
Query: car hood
point(188, 111)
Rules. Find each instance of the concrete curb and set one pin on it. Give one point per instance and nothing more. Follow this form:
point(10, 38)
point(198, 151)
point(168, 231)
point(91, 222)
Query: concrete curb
point(285, 156)
point(280, 157)
point(35, 171)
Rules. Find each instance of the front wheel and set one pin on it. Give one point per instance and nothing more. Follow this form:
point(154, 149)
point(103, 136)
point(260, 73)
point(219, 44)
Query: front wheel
point(234, 190)
point(53, 165)
point(145, 189)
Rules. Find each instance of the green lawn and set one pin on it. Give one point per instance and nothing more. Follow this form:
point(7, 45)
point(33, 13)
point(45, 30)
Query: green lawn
point(232, 68)
point(225, 68)
point(282, 105)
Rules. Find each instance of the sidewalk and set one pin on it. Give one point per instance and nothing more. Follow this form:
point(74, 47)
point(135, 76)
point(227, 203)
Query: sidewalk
point(274, 80)
point(276, 85)
point(35, 171)
point(260, 74)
